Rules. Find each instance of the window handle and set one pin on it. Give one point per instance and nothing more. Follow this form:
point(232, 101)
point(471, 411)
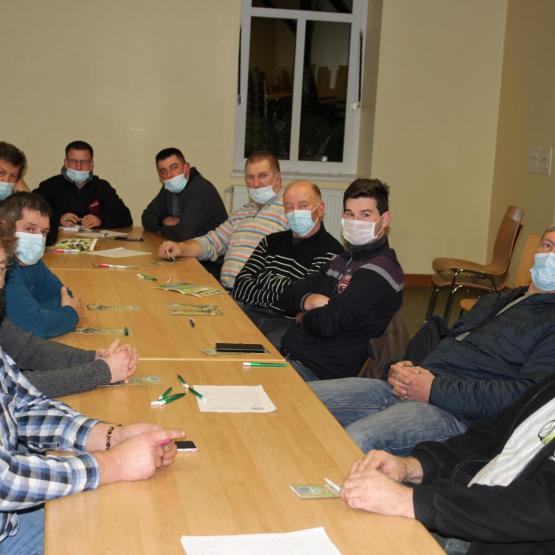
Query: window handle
point(238, 99)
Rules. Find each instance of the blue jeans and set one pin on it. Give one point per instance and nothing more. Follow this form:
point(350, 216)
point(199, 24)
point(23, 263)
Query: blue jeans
point(306, 373)
point(29, 539)
point(376, 419)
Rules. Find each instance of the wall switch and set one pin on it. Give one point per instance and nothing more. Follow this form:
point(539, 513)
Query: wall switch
point(539, 160)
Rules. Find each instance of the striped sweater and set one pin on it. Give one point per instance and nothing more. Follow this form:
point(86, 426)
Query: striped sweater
point(280, 259)
point(239, 235)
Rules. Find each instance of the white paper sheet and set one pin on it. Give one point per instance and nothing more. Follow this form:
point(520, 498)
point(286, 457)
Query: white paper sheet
point(313, 541)
point(234, 398)
point(119, 252)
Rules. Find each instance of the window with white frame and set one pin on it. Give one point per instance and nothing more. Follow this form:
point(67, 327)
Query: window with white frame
point(300, 82)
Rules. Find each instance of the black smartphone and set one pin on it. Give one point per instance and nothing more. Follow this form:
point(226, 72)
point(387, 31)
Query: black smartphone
point(240, 348)
point(185, 446)
point(137, 239)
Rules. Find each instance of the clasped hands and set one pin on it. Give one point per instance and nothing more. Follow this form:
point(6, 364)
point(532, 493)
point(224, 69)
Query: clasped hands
point(121, 359)
point(410, 382)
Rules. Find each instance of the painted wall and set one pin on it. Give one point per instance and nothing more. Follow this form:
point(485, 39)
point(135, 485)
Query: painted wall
point(527, 117)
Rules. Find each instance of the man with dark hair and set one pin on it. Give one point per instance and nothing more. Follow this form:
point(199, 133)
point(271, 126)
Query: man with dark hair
point(36, 300)
point(238, 236)
point(283, 257)
point(187, 205)
point(12, 165)
point(493, 354)
point(352, 299)
point(76, 196)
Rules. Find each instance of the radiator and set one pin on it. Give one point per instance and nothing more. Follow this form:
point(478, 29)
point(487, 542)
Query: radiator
point(333, 199)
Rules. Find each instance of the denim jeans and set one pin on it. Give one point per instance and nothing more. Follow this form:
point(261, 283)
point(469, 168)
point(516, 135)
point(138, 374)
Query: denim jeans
point(29, 539)
point(305, 373)
point(376, 419)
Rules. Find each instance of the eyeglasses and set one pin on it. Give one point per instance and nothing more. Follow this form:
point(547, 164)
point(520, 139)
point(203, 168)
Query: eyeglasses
point(73, 163)
point(547, 432)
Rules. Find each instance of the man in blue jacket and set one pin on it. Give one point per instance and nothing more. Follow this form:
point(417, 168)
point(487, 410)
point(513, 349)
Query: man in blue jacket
point(36, 300)
point(500, 349)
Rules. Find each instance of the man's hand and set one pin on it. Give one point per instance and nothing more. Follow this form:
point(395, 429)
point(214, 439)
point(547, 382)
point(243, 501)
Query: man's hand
point(315, 300)
point(69, 219)
point(68, 300)
point(409, 382)
point(122, 360)
point(169, 249)
point(399, 469)
point(138, 457)
point(373, 491)
point(170, 220)
point(90, 221)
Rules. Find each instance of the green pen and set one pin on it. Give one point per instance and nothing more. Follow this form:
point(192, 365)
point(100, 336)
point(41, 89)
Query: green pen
point(191, 389)
point(265, 364)
point(165, 394)
point(166, 400)
point(144, 276)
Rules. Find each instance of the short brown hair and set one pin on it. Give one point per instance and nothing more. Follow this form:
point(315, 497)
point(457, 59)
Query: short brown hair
point(7, 237)
point(11, 209)
point(259, 155)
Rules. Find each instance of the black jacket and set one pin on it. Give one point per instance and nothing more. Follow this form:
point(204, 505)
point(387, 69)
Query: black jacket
point(199, 208)
point(510, 520)
point(96, 197)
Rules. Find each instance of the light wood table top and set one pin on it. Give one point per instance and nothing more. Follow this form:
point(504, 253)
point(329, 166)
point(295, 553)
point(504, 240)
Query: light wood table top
point(154, 332)
point(237, 482)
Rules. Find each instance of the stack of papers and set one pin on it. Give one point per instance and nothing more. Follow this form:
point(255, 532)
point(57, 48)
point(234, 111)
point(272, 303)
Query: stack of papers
point(234, 398)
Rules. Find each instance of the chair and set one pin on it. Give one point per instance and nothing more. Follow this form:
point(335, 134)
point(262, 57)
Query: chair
point(522, 275)
point(392, 345)
point(455, 273)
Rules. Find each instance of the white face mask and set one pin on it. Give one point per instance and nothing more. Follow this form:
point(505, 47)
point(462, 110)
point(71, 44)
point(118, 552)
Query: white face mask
point(262, 195)
point(358, 232)
point(6, 189)
point(30, 247)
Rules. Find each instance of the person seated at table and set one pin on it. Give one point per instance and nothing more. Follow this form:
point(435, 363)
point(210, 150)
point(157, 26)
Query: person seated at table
point(283, 257)
point(12, 166)
point(352, 299)
point(77, 196)
point(489, 490)
point(53, 368)
point(239, 235)
point(95, 454)
point(493, 354)
point(187, 205)
point(36, 300)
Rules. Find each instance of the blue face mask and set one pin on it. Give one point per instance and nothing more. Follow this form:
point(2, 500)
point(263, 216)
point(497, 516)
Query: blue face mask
point(543, 271)
point(6, 189)
point(30, 247)
point(262, 195)
point(77, 176)
point(176, 184)
point(300, 221)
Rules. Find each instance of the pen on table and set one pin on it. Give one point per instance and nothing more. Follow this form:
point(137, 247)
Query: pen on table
point(191, 389)
point(65, 251)
point(165, 394)
point(104, 265)
point(333, 485)
point(191, 322)
point(144, 276)
point(168, 399)
point(137, 239)
point(266, 364)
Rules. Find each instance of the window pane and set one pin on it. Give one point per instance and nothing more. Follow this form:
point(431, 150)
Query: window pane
point(326, 67)
point(334, 6)
point(270, 92)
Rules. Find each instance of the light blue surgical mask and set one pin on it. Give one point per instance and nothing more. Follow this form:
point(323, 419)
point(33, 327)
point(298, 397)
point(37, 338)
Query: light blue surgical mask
point(176, 184)
point(262, 195)
point(77, 176)
point(30, 247)
point(543, 271)
point(300, 221)
point(6, 189)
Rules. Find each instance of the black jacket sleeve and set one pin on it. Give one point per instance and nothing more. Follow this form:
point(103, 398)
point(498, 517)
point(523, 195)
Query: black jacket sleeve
point(155, 212)
point(114, 213)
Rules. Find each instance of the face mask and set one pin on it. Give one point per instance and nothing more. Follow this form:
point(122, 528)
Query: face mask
point(300, 221)
point(358, 232)
point(543, 271)
point(77, 176)
point(176, 184)
point(262, 195)
point(30, 247)
point(6, 189)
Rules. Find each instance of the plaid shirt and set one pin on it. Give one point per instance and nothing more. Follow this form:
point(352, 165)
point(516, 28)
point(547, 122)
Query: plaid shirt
point(30, 423)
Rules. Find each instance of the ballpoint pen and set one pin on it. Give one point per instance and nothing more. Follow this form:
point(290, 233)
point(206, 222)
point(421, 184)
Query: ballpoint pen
point(144, 276)
point(115, 266)
point(166, 400)
point(191, 322)
point(191, 389)
point(165, 394)
point(265, 364)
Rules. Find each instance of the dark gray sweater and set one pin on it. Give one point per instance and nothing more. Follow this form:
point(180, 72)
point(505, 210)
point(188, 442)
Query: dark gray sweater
point(53, 368)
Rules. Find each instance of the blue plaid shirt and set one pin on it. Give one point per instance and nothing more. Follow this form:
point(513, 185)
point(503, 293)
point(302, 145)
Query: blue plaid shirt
point(30, 423)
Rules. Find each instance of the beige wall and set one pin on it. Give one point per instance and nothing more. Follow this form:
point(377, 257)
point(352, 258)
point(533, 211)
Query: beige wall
point(527, 116)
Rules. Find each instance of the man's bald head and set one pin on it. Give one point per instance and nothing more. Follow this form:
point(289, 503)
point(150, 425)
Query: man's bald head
point(303, 196)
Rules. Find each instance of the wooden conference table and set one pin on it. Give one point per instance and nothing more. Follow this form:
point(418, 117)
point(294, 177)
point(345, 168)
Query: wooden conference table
point(238, 481)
